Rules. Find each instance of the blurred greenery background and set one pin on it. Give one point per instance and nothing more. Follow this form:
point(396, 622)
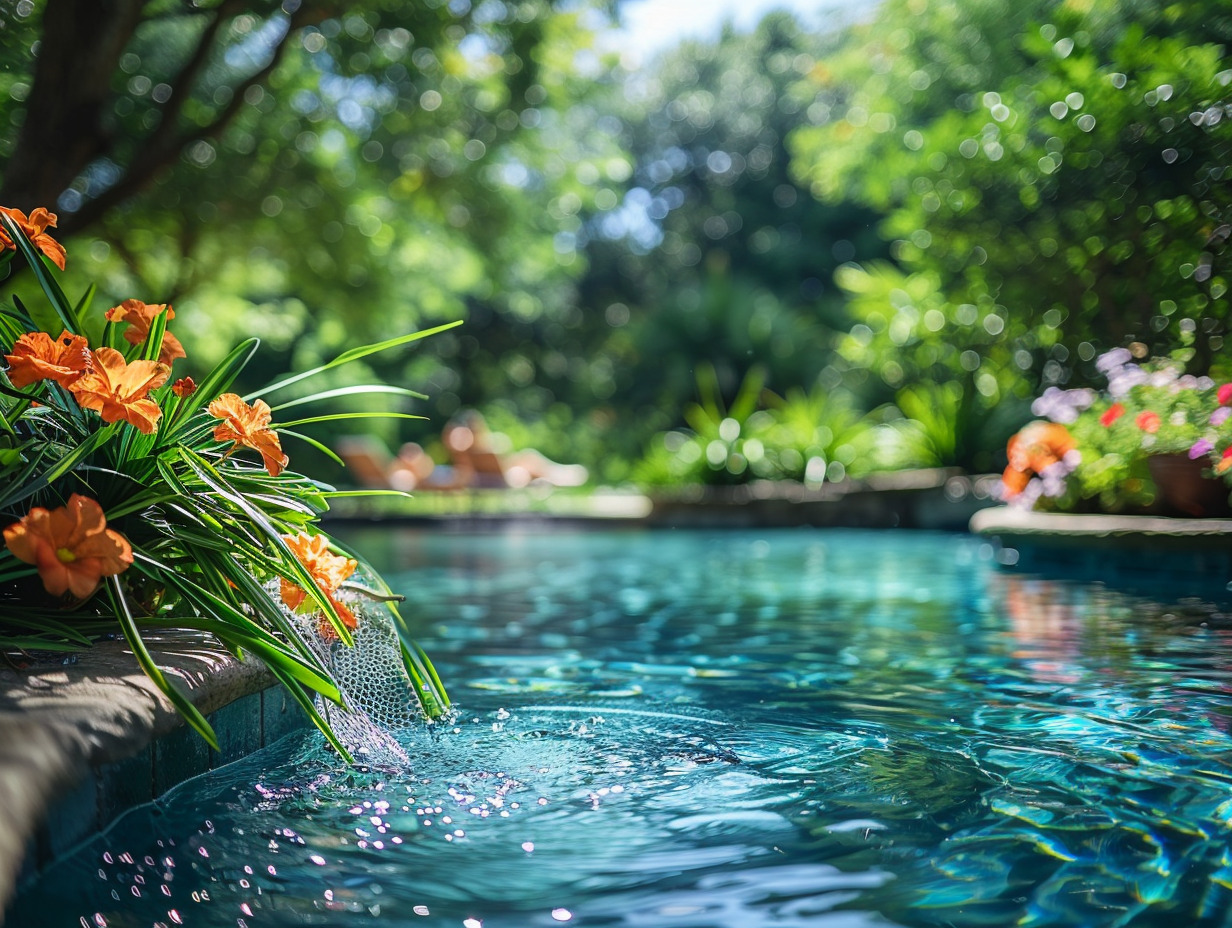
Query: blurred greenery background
point(792, 252)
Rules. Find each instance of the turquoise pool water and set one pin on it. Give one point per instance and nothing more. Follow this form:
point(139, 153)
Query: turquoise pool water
point(732, 729)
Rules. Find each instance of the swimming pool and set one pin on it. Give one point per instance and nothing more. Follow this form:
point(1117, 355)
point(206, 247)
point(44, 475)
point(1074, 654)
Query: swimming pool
point(787, 727)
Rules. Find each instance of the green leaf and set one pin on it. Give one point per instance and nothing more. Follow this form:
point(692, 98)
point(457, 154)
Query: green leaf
point(192, 715)
point(83, 305)
point(59, 302)
point(320, 446)
point(354, 354)
point(153, 343)
point(305, 703)
point(357, 390)
point(335, 417)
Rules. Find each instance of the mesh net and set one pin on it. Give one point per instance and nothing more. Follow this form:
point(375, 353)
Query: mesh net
point(378, 696)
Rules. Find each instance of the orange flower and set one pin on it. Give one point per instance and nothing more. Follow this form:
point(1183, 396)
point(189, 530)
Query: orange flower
point(1147, 421)
point(1015, 481)
point(119, 390)
point(249, 426)
point(185, 386)
point(140, 316)
point(1225, 462)
point(36, 230)
point(36, 357)
point(328, 570)
point(1036, 446)
point(1039, 444)
point(71, 546)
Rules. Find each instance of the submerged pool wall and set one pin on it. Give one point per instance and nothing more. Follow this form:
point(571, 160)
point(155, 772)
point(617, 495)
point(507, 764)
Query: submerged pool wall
point(85, 738)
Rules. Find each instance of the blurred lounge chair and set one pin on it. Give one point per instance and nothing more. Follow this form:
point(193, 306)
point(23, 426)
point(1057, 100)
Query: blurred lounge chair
point(473, 462)
point(469, 443)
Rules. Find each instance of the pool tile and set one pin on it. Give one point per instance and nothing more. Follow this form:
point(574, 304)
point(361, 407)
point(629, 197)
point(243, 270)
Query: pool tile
point(72, 818)
point(280, 715)
point(238, 727)
point(125, 784)
point(178, 756)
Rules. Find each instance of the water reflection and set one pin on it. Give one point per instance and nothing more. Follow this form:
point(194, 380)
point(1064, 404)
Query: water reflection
point(782, 728)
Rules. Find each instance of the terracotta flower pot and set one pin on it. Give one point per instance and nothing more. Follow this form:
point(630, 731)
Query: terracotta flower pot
point(1185, 490)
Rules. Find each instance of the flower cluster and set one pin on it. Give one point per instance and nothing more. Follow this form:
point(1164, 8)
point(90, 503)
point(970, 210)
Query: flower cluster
point(124, 495)
point(1147, 410)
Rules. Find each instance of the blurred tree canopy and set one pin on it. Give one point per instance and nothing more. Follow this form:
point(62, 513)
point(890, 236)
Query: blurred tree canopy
point(313, 172)
point(931, 214)
point(1054, 180)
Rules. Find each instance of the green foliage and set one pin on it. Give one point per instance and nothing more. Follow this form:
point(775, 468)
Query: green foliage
point(806, 437)
point(1053, 164)
point(208, 533)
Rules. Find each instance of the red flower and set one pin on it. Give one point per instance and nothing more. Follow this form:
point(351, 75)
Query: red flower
point(1225, 394)
point(1147, 421)
point(1111, 414)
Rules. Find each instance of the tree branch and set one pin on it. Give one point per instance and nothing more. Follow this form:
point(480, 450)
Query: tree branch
point(157, 158)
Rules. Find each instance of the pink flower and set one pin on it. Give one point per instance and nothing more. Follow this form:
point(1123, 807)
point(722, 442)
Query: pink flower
point(1220, 415)
point(1225, 394)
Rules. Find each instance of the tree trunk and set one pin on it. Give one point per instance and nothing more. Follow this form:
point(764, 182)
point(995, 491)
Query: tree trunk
point(79, 52)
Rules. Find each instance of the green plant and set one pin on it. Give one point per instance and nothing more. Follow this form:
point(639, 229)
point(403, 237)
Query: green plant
point(127, 502)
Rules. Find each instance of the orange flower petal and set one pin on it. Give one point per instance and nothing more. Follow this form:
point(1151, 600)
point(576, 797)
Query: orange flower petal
point(35, 228)
point(37, 357)
point(140, 316)
point(249, 426)
point(327, 569)
point(71, 546)
point(118, 390)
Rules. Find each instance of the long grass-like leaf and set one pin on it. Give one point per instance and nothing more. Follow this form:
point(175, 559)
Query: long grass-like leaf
point(335, 417)
point(357, 390)
point(320, 446)
point(83, 305)
point(153, 343)
point(353, 354)
point(216, 381)
point(59, 302)
point(132, 635)
point(305, 702)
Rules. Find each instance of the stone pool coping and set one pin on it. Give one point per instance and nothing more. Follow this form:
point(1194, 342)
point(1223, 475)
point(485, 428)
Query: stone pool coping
point(82, 742)
point(1123, 549)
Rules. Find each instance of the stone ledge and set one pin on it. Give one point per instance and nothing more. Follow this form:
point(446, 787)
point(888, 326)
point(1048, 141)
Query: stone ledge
point(1147, 553)
point(80, 741)
point(1133, 530)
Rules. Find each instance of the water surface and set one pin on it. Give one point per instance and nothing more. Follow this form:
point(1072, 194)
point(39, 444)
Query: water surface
point(740, 729)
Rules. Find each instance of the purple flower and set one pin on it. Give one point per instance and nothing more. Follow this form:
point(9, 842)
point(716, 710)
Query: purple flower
point(1220, 415)
point(1062, 406)
point(1200, 448)
point(1110, 360)
point(1121, 381)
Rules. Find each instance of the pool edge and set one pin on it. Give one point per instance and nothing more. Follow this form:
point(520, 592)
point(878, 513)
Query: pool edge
point(84, 741)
